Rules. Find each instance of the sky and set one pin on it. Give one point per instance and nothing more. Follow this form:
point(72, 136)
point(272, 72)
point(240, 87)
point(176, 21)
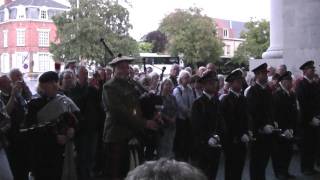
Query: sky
point(146, 15)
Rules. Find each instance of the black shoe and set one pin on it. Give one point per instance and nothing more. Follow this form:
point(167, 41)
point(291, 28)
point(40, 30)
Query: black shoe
point(310, 172)
point(281, 176)
point(290, 176)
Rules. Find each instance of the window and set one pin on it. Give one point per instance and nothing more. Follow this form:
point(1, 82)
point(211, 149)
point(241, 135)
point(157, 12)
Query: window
point(21, 12)
point(20, 37)
point(44, 38)
point(228, 49)
point(225, 33)
point(5, 38)
point(18, 60)
point(43, 14)
point(5, 68)
point(44, 62)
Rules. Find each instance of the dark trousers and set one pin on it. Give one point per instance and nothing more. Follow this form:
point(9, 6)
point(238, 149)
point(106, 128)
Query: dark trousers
point(117, 162)
point(309, 147)
point(281, 155)
point(19, 156)
point(183, 141)
point(86, 144)
point(259, 157)
point(207, 159)
point(48, 161)
point(235, 154)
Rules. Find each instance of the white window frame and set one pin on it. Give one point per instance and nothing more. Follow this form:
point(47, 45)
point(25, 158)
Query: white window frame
point(228, 49)
point(5, 38)
point(21, 38)
point(43, 14)
point(5, 63)
point(42, 40)
point(44, 64)
point(18, 59)
point(225, 33)
point(21, 12)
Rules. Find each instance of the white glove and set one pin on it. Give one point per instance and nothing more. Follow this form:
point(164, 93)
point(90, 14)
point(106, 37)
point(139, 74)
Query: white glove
point(213, 142)
point(245, 138)
point(315, 122)
point(268, 129)
point(133, 141)
point(276, 125)
point(288, 134)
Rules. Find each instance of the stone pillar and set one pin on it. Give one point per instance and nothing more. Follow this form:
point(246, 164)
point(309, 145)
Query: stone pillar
point(275, 51)
point(301, 33)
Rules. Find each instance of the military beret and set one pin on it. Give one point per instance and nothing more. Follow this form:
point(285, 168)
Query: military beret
point(49, 76)
point(208, 75)
point(306, 65)
point(121, 58)
point(262, 67)
point(286, 76)
point(234, 75)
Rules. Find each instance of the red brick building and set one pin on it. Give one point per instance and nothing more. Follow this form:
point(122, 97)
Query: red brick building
point(229, 32)
point(26, 30)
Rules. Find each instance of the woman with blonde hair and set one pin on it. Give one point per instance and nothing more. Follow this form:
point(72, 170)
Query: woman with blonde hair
point(168, 115)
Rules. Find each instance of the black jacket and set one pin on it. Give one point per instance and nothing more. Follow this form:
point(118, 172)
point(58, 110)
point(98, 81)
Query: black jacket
point(235, 115)
point(285, 109)
point(308, 97)
point(206, 120)
point(260, 107)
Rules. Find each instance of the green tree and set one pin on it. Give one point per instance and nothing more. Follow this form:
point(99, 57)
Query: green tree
point(192, 34)
point(145, 47)
point(79, 31)
point(256, 41)
point(158, 40)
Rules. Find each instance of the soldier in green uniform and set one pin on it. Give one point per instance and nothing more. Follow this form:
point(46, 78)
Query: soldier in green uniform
point(123, 118)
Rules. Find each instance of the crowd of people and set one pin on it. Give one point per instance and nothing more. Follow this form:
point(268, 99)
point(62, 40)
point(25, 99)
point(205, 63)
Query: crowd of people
point(76, 127)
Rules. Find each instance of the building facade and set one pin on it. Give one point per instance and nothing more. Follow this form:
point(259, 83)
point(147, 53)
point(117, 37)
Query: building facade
point(26, 30)
point(229, 32)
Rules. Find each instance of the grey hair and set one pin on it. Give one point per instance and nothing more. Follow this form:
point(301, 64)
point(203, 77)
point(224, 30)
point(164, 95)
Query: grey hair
point(153, 74)
point(183, 73)
point(165, 169)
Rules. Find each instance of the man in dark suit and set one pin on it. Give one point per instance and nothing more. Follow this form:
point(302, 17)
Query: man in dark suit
point(259, 99)
point(234, 111)
point(206, 124)
point(285, 113)
point(308, 97)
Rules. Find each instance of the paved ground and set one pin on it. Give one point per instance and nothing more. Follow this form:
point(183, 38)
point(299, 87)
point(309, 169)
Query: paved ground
point(294, 169)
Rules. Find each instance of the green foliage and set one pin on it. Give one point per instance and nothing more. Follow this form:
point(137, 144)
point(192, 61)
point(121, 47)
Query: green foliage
point(158, 41)
point(145, 47)
point(256, 41)
point(79, 31)
point(192, 34)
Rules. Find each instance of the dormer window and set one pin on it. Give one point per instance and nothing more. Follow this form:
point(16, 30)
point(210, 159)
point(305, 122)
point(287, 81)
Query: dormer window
point(225, 33)
point(43, 14)
point(21, 12)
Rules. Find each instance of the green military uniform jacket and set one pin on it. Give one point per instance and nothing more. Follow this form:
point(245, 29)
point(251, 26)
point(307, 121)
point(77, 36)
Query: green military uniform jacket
point(123, 112)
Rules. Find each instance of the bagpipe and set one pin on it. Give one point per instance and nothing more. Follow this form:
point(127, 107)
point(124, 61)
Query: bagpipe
point(59, 125)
